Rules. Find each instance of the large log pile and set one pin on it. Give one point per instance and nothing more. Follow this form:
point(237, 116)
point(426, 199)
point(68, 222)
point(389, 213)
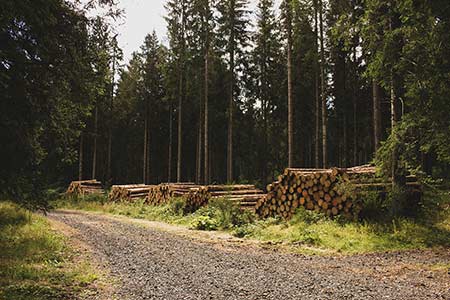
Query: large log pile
point(129, 192)
point(245, 195)
point(84, 187)
point(162, 193)
point(329, 191)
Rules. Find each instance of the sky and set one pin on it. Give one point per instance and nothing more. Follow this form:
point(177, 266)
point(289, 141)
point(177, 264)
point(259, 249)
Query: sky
point(142, 17)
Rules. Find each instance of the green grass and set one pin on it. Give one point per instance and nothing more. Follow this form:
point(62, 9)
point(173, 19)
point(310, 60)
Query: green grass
point(169, 213)
point(307, 231)
point(35, 261)
point(328, 236)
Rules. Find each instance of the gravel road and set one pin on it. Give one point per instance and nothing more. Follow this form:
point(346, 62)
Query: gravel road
point(154, 264)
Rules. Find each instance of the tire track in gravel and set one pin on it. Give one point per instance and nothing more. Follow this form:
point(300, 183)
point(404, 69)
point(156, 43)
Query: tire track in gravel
point(154, 264)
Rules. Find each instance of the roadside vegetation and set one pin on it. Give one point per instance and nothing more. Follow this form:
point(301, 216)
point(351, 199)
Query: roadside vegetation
point(307, 232)
point(36, 262)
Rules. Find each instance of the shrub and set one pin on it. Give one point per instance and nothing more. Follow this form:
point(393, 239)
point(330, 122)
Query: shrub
point(177, 206)
point(204, 223)
point(374, 206)
point(229, 214)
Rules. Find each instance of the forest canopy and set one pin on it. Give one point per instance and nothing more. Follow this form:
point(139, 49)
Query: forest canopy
point(234, 96)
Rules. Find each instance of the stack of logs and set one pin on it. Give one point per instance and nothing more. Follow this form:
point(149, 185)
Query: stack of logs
point(84, 187)
point(245, 195)
point(129, 192)
point(329, 191)
point(162, 193)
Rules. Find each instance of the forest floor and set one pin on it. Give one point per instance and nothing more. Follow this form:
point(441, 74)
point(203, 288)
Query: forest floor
point(153, 260)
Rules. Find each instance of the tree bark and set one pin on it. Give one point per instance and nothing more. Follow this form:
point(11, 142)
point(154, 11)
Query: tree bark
point(80, 157)
point(323, 93)
point(398, 177)
point(206, 95)
point(199, 144)
point(376, 115)
point(111, 107)
point(169, 161)
point(264, 101)
point(394, 119)
point(144, 168)
point(180, 121)
point(346, 160)
point(317, 95)
point(94, 150)
point(231, 101)
point(355, 111)
point(289, 79)
point(180, 95)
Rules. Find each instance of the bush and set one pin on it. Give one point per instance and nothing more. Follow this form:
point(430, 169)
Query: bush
point(177, 206)
point(204, 223)
point(225, 214)
point(375, 206)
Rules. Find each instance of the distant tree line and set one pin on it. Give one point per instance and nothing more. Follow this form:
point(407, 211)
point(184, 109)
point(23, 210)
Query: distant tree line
point(235, 95)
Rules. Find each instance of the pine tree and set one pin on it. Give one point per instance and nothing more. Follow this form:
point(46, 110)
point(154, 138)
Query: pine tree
point(99, 44)
point(152, 91)
point(233, 39)
point(201, 25)
point(322, 86)
point(266, 58)
point(287, 11)
point(176, 26)
point(116, 55)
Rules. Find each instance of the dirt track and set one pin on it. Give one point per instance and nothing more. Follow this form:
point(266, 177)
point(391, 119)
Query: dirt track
point(154, 263)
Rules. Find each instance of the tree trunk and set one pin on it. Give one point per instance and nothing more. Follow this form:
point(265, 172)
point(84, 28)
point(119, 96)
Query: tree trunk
point(231, 103)
point(169, 161)
point(355, 133)
point(180, 94)
point(355, 111)
point(265, 125)
point(144, 168)
point(345, 141)
point(111, 107)
point(376, 114)
point(148, 140)
point(394, 119)
point(317, 95)
point(94, 150)
point(180, 121)
point(398, 177)
point(206, 95)
point(289, 79)
point(80, 157)
point(324, 98)
point(199, 144)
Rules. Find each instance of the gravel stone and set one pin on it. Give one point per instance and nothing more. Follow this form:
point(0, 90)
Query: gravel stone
point(153, 264)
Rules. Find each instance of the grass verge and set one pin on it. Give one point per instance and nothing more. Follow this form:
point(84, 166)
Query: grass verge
point(36, 262)
point(306, 232)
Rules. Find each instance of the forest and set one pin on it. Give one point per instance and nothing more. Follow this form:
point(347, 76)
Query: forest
point(235, 95)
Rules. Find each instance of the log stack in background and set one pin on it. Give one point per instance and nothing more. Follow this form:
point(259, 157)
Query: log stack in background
point(129, 192)
point(162, 193)
point(329, 191)
point(245, 195)
point(314, 189)
point(84, 187)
